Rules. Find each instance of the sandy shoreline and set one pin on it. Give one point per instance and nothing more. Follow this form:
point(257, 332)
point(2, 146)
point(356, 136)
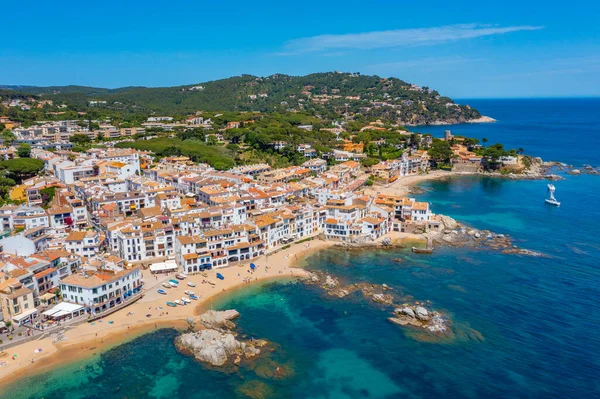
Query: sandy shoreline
point(87, 339)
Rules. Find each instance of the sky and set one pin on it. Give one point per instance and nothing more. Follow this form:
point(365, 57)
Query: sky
point(463, 49)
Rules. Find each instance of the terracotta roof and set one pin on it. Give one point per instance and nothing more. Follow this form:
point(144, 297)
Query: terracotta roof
point(45, 272)
point(76, 236)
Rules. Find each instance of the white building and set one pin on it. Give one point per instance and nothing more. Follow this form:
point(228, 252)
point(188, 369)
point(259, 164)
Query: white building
point(103, 289)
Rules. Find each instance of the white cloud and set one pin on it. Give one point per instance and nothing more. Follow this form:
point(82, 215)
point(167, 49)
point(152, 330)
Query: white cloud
point(398, 38)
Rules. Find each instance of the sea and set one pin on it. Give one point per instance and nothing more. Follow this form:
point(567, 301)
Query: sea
point(526, 327)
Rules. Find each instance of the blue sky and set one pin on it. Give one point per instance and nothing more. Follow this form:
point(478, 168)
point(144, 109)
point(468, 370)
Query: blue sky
point(464, 49)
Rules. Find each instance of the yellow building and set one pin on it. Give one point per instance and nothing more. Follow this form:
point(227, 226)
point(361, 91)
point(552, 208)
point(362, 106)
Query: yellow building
point(16, 302)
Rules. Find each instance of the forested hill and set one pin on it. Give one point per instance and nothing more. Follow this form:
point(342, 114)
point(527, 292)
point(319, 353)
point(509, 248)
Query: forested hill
point(327, 94)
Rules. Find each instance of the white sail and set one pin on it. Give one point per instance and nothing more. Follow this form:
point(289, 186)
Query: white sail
point(551, 200)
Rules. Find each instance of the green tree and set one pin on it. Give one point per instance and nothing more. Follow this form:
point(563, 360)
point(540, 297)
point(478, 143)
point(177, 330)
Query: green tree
point(22, 168)
point(80, 139)
point(440, 151)
point(212, 140)
point(24, 151)
point(7, 136)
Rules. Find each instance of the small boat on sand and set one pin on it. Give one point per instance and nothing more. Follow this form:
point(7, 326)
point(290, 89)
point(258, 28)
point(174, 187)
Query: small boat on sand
point(204, 274)
point(185, 300)
point(166, 285)
point(180, 276)
point(220, 276)
point(190, 284)
point(171, 304)
point(188, 292)
point(210, 282)
point(194, 297)
point(174, 283)
point(178, 302)
point(162, 292)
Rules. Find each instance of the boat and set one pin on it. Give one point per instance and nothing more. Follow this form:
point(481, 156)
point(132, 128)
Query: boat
point(187, 292)
point(180, 276)
point(185, 300)
point(171, 304)
point(166, 285)
point(422, 250)
point(204, 274)
point(172, 284)
point(220, 276)
point(178, 302)
point(190, 284)
point(551, 200)
point(162, 292)
point(194, 297)
point(210, 282)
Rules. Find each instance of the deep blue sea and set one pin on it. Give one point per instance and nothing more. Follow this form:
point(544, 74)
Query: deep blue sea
point(526, 327)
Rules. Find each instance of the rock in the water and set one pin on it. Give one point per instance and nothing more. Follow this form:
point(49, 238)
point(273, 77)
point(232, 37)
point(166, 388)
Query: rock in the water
point(406, 311)
point(255, 389)
point(215, 344)
point(421, 313)
point(219, 319)
point(383, 298)
point(330, 281)
point(210, 346)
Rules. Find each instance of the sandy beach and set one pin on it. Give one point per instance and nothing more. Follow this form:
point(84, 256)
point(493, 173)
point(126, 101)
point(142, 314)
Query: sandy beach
point(403, 184)
point(86, 339)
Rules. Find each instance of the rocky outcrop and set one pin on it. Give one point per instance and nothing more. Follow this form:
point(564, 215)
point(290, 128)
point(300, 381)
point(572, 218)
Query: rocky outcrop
point(414, 315)
point(421, 313)
point(387, 299)
point(419, 316)
point(216, 344)
point(454, 234)
point(219, 319)
point(448, 224)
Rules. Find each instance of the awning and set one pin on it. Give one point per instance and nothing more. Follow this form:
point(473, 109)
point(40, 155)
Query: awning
point(24, 315)
point(47, 296)
point(50, 312)
point(63, 309)
point(60, 313)
point(69, 307)
point(162, 266)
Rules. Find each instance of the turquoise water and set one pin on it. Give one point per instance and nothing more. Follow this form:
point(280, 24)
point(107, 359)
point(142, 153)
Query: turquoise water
point(526, 327)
